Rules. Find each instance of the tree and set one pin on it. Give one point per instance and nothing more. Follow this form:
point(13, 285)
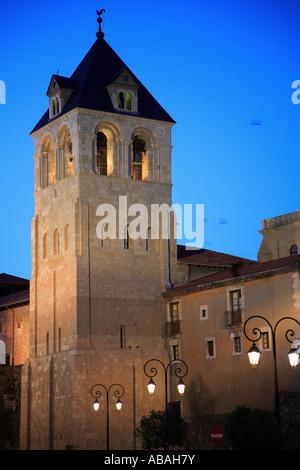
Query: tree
point(152, 429)
point(250, 429)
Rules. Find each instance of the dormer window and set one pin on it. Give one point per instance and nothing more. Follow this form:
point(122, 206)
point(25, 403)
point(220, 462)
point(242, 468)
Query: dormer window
point(55, 108)
point(59, 91)
point(123, 92)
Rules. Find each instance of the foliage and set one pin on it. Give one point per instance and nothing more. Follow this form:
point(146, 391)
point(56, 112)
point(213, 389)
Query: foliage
point(152, 429)
point(251, 429)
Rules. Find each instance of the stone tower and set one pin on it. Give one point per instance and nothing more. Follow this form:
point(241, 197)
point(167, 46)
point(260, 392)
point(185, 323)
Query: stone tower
point(96, 311)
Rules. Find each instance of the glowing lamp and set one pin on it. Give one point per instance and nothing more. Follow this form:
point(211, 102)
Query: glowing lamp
point(96, 405)
point(181, 387)
point(151, 386)
point(293, 355)
point(119, 404)
point(254, 355)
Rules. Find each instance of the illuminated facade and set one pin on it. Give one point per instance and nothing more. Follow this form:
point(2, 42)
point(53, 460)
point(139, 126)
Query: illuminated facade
point(96, 310)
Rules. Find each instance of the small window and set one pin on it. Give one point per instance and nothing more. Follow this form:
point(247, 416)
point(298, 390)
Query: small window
point(122, 336)
point(203, 312)
point(174, 325)
point(237, 344)
point(265, 340)
point(236, 300)
point(293, 250)
point(175, 351)
point(210, 348)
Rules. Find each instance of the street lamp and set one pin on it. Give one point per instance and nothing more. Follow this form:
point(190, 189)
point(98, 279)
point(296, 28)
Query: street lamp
point(294, 354)
point(254, 355)
point(180, 386)
point(96, 393)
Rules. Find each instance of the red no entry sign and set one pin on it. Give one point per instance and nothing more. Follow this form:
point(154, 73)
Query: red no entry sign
point(216, 435)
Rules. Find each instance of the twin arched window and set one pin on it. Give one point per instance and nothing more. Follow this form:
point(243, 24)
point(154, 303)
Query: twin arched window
point(56, 163)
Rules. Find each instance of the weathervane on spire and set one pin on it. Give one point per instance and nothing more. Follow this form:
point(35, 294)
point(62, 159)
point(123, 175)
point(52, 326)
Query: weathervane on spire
point(99, 13)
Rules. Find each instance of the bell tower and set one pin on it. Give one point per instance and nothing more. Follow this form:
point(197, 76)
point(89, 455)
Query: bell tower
point(103, 147)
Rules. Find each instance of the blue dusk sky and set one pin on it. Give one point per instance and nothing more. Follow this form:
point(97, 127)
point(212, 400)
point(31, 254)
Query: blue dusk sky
point(222, 69)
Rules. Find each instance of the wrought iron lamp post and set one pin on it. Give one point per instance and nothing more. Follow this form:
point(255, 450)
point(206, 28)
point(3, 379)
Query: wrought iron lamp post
point(254, 355)
point(180, 386)
point(96, 393)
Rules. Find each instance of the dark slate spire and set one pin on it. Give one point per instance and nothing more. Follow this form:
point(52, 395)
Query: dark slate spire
point(97, 70)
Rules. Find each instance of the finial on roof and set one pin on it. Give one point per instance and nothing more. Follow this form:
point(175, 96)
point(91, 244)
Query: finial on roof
point(99, 13)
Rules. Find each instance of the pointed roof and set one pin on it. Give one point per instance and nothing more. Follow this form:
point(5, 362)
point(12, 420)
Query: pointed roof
point(97, 70)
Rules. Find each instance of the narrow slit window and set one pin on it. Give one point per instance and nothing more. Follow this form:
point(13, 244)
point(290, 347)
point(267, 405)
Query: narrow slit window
point(122, 336)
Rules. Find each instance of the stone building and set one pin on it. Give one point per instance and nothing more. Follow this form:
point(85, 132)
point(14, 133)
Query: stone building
point(96, 310)
point(210, 325)
point(14, 341)
point(104, 301)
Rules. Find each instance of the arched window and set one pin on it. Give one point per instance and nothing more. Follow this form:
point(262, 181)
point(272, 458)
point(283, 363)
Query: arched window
point(128, 101)
point(64, 154)
point(57, 106)
point(101, 164)
point(121, 100)
point(293, 250)
point(139, 147)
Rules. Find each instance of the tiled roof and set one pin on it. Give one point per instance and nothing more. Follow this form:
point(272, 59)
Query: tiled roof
point(202, 257)
point(97, 70)
point(237, 273)
point(8, 279)
point(14, 299)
